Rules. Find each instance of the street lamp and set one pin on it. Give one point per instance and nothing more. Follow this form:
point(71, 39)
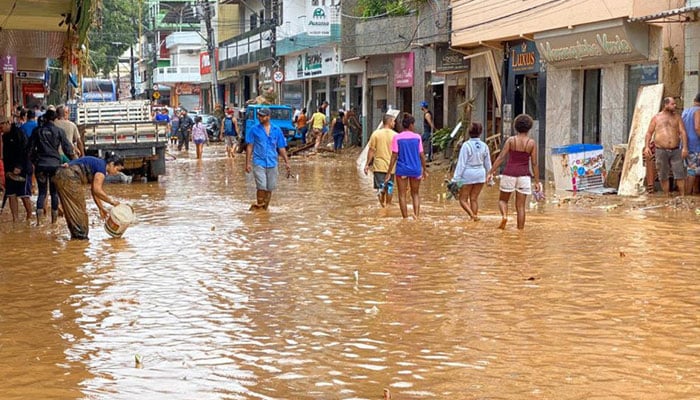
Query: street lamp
point(132, 79)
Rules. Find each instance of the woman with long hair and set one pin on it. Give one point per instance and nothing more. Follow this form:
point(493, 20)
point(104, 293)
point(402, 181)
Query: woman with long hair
point(199, 135)
point(516, 174)
point(408, 157)
point(470, 173)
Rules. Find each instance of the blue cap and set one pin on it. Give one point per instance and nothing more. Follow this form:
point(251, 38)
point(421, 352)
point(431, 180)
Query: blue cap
point(424, 104)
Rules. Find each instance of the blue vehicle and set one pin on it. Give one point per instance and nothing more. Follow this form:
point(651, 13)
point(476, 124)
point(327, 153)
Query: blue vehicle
point(280, 116)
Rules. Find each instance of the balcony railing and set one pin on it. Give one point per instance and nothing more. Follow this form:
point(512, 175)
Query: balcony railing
point(248, 48)
point(176, 74)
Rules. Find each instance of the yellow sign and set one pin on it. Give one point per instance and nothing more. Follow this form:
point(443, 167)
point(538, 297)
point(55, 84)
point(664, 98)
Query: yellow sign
point(156, 95)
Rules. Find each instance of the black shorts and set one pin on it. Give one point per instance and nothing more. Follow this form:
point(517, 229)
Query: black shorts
point(17, 185)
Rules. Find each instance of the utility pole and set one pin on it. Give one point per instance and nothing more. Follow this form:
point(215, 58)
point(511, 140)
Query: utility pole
point(211, 47)
point(132, 78)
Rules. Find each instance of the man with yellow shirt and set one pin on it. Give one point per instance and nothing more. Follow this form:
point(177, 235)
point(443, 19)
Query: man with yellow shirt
point(318, 122)
point(378, 156)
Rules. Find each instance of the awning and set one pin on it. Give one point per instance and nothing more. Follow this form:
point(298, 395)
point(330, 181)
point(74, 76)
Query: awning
point(665, 14)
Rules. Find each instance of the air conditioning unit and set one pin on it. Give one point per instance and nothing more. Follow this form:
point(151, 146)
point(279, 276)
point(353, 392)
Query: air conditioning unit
point(190, 51)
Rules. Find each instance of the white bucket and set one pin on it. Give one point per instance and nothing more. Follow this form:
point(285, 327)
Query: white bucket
point(119, 218)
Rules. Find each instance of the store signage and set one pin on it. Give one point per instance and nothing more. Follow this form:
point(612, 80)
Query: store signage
point(403, 70)
point(38, 75)
point(448, 60)
point(590, 45)
point(524, 58)
point(33, 88)
point(318, 20)
point(312, 64)
point(205, 62)
point(9, 64)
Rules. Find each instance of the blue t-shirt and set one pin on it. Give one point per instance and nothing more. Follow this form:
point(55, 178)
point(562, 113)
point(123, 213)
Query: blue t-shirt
point(29, 126)
point(688, 118)
point(92, 165)
point(162, 118)
point(264, 146)
point(409, 146)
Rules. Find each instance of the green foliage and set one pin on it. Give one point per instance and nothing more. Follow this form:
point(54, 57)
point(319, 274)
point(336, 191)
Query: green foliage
point(373, 8)
point(115, 29)
point(441, 138)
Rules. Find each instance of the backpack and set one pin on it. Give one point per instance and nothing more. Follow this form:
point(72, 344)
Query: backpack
point(229, 128)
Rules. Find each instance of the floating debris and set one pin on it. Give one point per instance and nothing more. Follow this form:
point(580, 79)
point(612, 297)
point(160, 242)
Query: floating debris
point(139, 361)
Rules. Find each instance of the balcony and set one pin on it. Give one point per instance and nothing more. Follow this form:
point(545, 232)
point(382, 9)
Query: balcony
point(248, 48)
point(169, 75)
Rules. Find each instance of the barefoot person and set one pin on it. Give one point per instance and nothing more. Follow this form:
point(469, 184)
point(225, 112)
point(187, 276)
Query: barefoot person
point(408, 158)
point(470, 173)
point(379, 157)
point(516, 174)
point(668, 133)
point(264, 142)
point(68, 180)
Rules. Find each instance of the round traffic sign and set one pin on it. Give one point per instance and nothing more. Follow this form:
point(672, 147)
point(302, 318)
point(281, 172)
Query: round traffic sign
point(156, 95)
point(278, 76)
point(155, 87)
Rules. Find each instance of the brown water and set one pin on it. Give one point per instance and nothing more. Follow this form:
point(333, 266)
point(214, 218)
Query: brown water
point(328, 296)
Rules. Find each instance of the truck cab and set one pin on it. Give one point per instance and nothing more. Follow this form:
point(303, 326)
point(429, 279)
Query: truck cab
point(280, 116)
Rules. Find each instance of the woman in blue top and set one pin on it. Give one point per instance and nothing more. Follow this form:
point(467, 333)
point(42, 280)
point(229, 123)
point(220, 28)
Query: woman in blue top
point(470, 173)
point(68, 180)
point(408, 157)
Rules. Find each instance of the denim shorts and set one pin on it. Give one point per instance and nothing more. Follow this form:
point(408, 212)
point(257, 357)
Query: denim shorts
point(691, 162)
point(265, 178)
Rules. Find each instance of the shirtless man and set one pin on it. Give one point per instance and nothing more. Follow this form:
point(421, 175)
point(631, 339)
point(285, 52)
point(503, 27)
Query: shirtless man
point(667, 130)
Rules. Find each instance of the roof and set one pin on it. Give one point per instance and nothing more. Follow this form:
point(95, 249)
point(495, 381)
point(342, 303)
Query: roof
point(665, 14)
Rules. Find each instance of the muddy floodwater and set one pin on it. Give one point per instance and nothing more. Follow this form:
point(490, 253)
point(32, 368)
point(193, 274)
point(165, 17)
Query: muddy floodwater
point(328, 296)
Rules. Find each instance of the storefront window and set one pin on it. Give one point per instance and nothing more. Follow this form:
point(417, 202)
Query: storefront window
point(591, 106)
point(638, 76)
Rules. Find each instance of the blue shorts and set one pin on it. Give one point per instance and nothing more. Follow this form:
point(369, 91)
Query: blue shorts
point(199, 141)
point(265, 178)
point(692, 163)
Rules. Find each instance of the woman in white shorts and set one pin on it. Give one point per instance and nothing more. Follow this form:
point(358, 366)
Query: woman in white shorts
point(516, 174)
point(473, 162)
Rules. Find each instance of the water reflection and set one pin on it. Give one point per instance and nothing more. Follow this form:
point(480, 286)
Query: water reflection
point(330, 296)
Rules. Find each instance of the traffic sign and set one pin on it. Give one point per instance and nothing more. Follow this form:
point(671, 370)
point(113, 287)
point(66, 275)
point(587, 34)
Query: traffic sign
point(278, 76)
point(155, 87)
point(156, 95)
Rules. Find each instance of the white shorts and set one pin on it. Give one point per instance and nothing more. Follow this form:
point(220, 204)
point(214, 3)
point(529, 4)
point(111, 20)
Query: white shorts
point(521, 184)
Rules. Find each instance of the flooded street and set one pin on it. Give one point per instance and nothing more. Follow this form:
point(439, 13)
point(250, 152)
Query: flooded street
point(328, 296)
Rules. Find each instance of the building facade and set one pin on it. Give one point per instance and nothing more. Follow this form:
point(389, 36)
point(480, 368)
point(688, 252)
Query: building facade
point(574, 67)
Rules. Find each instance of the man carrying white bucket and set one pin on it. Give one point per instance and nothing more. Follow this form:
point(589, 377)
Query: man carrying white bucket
point(68, 179)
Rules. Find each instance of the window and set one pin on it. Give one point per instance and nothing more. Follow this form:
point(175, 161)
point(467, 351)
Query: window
point(262, 17)
point(638, 76)
point(253, 21)
point(591, 106)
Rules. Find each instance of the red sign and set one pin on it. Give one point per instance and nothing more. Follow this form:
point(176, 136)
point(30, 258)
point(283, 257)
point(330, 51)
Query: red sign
point(28, 88)
point(403, 70)
point(205, 62)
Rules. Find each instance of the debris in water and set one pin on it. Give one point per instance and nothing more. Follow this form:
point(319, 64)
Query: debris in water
point(622, 254)
point(357, 276)
point(532, 278)
point(387, 394)
point(138, 360)
point(697, 211)
point(372, 311)
point(213, 228)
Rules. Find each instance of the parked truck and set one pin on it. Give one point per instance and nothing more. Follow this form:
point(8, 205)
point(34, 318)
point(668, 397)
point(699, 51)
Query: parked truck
point(127, 129)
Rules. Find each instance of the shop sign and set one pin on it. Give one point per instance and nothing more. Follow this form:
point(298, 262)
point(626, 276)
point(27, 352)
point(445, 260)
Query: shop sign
point(186, 89)
point(595, 44)
point(403, 70)
point(28, 88)
point(311, 64)
point(9, 64)
point(449, 60)
point(205, 62)
point(265, 74)
point(318, 20)
point(524, 58)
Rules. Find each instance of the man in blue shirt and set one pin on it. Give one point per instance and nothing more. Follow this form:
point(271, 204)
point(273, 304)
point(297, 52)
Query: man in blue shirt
point(31, 123)
point(264, 142)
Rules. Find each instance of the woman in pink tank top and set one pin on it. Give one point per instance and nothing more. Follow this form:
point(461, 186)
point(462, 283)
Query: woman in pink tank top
point(516, 174)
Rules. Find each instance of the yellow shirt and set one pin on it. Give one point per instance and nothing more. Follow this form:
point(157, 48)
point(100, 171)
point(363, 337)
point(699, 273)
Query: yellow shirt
point(380, 142)
point(318, 120)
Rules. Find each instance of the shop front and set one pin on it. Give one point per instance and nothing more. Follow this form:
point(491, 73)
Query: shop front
point(524, 91)
point(448, 84)
point(593, 74)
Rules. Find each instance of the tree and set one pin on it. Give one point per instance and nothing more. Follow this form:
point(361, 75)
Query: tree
point(115, 29)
